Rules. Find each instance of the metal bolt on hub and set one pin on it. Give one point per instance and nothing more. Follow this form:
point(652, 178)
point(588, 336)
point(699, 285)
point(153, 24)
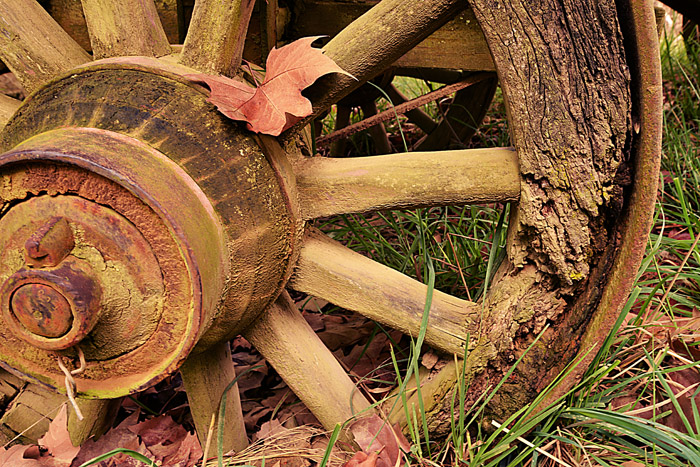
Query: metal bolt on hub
point(53, 308)
point(49, 245)
point(42, 310)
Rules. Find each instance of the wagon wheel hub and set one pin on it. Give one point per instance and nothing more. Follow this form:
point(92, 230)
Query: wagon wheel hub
point(111, 246)
point(58, 295)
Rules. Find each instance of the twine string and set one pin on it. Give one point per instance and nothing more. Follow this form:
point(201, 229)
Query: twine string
point(70, 381)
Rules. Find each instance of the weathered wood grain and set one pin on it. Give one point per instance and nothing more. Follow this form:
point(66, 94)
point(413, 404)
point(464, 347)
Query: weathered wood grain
point(33, 45)
point(329, 270)
point(98, 416)
point(564, 74)
point(568, 123)
point(360, 184)
point(286, 340)
point(33, 407)
point(125, 27)
point(375, 40)
point(215, 39)
point(8, 106)
point(31, 411)
point(69, 14)
point(459, 44)
point(205, 377)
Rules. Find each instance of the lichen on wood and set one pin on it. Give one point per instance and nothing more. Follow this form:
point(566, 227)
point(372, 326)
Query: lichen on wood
point(562, 69)
point(206, 377)
point(215, 39)
point(564, 75)
point(8, 106)
point(376, 40)
point(33, 45)
point(296, 352)
point(125, 27)
point(343, 185)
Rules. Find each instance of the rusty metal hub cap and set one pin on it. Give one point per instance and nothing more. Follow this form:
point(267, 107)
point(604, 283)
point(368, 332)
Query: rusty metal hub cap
point(96, 256)
point(55, 299)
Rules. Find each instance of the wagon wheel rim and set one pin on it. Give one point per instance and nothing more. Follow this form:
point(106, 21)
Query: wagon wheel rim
point(632, 231)
point(610, 301)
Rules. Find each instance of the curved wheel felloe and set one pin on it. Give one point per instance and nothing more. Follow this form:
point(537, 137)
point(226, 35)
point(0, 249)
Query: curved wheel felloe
point(142, 230)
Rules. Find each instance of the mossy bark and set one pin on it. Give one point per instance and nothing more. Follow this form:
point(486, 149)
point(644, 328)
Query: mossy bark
point(564, 74)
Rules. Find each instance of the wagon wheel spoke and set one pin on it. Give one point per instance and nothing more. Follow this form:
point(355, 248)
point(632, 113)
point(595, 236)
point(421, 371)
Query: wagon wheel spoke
point(461, 120)
point(328, 270)
point(125, 27)
point(374, 41)
point(378, 132)
point(417, 116)
point(33, 45)
point(419, 179)
point(8, 106)
point(214, 42)
point(342, 120)
point(287, 341)
point(206, 376)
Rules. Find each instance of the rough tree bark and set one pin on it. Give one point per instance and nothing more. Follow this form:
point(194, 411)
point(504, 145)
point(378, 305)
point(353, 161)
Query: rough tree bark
point(563, 71)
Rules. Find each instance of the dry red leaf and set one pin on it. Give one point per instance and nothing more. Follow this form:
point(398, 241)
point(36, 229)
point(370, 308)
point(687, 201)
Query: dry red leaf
point(119, 437)
point(169, 442)
point(57, 440)
point(683, 384)
point(159, 438)
point(429, 360)
point(277, 103)
point(375, 435)
point(56, 448)
point(15, 456)
point(188, 453)
point(159, 431)
point(360, 459)
point(268, 429)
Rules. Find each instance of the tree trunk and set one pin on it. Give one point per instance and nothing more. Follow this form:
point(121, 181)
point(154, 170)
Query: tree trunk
point(563, 71)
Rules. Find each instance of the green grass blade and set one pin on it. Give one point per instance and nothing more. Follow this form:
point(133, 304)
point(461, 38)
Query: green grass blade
point(133, 454)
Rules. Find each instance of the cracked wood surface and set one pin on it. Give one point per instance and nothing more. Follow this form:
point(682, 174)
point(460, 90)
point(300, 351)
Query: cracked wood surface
point(331, 271)
point(125, 27)
point(33, 45)
point(564, 75)
point(561, 65)
point(565, 79)
point(329, 186)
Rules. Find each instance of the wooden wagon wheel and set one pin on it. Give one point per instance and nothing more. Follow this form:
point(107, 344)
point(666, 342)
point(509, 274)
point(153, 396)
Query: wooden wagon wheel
point(142, 229)
point(452, 55)
point(465, 98)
